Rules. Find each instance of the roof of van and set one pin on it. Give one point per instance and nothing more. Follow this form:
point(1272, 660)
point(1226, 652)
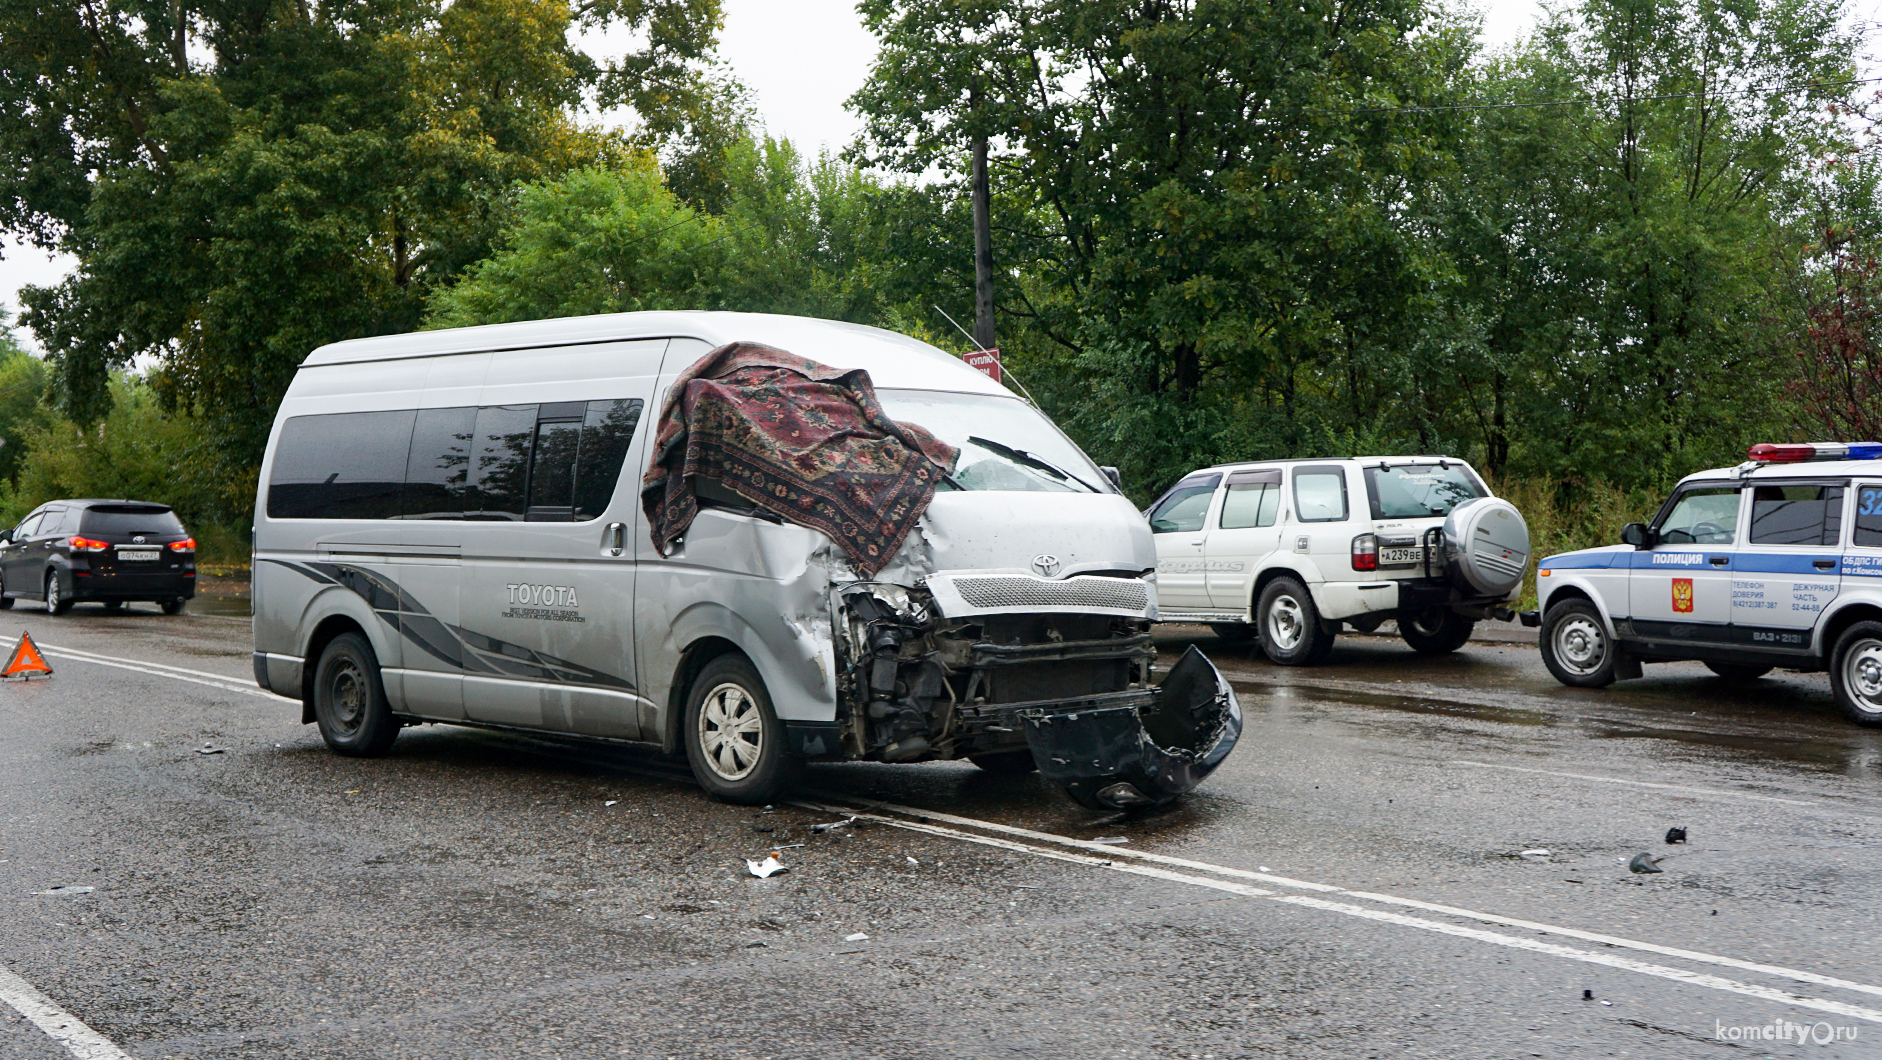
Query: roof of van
point(886, 355)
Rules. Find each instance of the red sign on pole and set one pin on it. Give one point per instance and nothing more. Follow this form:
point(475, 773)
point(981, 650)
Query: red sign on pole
point(988, 361)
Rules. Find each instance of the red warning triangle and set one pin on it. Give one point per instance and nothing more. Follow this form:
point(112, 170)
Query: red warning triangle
point(26, 660)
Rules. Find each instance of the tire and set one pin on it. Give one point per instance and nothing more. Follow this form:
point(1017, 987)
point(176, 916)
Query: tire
point(1438, 631)
point(6, 603)
point(1005, 763)
point(733, 739)
point(1738, 671)
point(1576, 647)
point(1233, 632)
point(1856, 673)
point(350, 699)
point(1290, 627)
point(56, 602)
point(172, 605)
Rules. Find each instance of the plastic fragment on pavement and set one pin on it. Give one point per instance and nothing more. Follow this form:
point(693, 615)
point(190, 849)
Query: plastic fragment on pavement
point(767, 868)
point(1644, 862)
point(913, 862)
point(1538, 853)
point(832, 825)
point(1676, 835)
point(611, 802)
point(211, 749)
point(62, 889)
point(858, 937)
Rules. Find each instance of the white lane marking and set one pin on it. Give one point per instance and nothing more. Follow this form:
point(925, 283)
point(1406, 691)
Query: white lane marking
point(1612, 961)
point(1610, 940)
point(1021, 848)
point(1105, 849)
point(1488, 918)
point(221, 681)
point(63, 1027)
point(1711, 792)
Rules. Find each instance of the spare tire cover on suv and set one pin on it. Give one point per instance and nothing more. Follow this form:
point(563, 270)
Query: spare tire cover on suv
point(1487, 543)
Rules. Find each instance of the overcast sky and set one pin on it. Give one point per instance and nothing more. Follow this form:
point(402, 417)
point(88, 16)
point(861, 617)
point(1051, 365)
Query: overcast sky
point(801, 59)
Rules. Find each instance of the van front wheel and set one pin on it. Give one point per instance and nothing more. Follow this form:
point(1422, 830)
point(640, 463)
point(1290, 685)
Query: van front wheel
point(734, 741)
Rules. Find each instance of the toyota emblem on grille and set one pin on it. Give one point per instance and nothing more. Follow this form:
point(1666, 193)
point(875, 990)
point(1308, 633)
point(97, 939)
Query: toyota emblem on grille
point(138, 540)
point(1047, 566)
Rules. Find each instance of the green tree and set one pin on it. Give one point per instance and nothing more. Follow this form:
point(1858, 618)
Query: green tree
point(22, 390)
point(1201, 196)
point(244, 181)
point(794, 237)
point(1617, 289)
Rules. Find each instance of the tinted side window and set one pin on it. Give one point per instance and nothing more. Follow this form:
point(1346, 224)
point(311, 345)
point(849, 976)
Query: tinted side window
point(1254, 499)
point(552, 477)
point(439, 467)
point(1796, 515)
point(1185, 507)
point(28, 526)
point(500, 469)
point(607, 428)
point(1320, 494)
point(1869, 517)
point(348, 465)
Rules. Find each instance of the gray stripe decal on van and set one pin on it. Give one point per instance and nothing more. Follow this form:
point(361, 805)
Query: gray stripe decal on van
point(454, 646)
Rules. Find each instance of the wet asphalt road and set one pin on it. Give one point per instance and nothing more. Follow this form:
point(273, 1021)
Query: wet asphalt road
point(476, 895)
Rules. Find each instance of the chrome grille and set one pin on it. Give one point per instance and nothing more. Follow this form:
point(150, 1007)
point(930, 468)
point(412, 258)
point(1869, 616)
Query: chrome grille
point(994, 593)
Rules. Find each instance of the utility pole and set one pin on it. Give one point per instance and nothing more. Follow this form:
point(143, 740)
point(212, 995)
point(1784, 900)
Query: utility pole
point(983, 239)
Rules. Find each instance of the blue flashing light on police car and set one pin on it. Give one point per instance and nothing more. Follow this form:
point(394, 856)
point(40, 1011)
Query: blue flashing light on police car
point(1773, 564)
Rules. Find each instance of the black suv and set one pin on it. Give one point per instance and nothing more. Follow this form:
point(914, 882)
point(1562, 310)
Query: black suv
point(109, 551)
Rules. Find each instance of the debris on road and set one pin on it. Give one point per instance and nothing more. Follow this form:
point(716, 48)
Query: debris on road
point(913, 862)
point(1111, 840)
point(1587, 995)
point(211, 749)
point(63, 889)
point(1537, 853)
point(1644, 862)
point(767, 868)
point(1676, 835)
point(611, 802)
point(858, 937)
point(830, 826)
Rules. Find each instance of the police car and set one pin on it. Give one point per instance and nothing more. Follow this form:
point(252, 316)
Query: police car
point(1774, 563)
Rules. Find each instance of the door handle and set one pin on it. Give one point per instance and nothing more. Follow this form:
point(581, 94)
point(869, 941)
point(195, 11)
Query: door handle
point(1195, 544)
point(1720, 561)
point(615, 538)
point(1823, 564)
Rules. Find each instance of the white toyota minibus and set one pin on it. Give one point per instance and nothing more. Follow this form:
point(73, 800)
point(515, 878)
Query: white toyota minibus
point(449, 529)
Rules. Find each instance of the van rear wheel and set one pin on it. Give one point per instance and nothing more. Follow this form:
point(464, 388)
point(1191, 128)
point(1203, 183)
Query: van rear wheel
point(350, 699)
point(734, 741)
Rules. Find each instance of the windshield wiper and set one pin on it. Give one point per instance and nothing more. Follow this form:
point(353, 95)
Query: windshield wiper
point(1023, 457)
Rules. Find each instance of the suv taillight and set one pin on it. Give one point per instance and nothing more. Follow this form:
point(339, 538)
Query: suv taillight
point(87, 544)
point(1366, 552)
point(188, 544)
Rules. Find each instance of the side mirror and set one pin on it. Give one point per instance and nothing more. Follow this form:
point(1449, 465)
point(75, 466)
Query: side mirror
point(1111, 473)
point(1637, 535)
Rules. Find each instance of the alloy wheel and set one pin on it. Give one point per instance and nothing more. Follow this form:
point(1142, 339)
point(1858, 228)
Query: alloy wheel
point(1286, 624)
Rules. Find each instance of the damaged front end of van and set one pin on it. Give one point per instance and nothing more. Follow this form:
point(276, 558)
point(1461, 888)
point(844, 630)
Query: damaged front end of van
point(1013, 670)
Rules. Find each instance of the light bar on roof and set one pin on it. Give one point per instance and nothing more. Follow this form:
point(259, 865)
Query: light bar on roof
point(1800, 452)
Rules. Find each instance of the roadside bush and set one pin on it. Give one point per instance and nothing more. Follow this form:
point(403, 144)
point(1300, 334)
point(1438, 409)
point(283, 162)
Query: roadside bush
point(1562, 519)
point(137, 451)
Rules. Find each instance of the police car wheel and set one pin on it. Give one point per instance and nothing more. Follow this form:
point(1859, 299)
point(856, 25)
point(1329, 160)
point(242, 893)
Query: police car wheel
point(350, 705)
point(1576, 647)
point(1436, 631)
point(1738, 671)
point(1856, 673)
point(1290, 627)
point(733, 739)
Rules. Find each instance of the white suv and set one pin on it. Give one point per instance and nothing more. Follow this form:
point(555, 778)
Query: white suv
point(1774, 563)
point(1288, 550)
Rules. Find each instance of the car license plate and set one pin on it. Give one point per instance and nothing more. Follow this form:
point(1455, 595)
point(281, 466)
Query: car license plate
point(139, 555)
point(1401, 557)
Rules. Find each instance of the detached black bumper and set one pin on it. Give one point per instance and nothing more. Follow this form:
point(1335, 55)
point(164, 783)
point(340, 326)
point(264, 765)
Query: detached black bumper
point(1145, 752)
